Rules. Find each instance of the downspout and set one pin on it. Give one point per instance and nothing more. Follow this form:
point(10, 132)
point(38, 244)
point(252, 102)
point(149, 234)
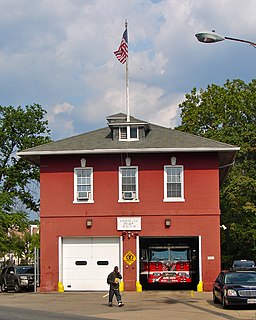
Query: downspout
point(60, 283)
point(200, 283)
point(138, 284)
point(121, 285)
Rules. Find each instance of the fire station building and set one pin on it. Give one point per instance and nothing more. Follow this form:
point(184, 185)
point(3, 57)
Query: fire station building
point(109, 195)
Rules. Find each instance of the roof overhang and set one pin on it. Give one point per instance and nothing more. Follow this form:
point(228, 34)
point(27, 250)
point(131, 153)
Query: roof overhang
point(31, 154)
point(225, 154)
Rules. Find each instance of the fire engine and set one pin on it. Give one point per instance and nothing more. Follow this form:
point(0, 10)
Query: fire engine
point(166, 264)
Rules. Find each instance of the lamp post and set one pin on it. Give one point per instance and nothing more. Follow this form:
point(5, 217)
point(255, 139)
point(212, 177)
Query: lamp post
point(211, 37)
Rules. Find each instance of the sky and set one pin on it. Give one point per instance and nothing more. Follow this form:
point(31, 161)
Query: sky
point(59, 54)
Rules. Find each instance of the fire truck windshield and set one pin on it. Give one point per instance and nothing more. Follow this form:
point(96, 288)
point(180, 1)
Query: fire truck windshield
point(158, 254)
point(179, 255)
point(163, 254)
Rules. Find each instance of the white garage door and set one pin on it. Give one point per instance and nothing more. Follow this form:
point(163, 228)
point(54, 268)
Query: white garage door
point(87, 261)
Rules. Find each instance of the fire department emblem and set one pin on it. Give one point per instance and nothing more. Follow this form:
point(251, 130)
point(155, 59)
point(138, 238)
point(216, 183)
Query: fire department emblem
point(129, 258)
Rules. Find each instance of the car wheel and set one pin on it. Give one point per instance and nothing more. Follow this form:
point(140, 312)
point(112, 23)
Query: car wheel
point(16, 287)
point(215, 300)
point(224, 303)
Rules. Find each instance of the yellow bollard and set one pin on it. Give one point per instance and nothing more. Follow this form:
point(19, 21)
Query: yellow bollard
point(60, 287)
point(192, 293)
point(138, 286)
point(200, 286)
point(121, 286)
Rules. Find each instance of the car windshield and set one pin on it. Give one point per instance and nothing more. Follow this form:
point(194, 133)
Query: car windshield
point(24, 269)
point(240, 277)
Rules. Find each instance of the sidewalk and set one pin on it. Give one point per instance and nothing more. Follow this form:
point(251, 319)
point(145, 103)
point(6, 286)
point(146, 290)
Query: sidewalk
point(178, 305)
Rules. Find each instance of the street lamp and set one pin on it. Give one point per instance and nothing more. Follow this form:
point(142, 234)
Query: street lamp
point(211, 37)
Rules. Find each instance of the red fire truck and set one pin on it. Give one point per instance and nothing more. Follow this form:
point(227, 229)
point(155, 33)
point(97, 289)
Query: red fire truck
point(166, 264)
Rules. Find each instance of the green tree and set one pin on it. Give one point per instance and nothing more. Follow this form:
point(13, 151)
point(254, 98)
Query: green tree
point(228, 114)
point(20, 128)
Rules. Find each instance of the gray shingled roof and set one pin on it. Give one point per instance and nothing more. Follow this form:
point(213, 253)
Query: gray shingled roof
point(159, 139)
point(100, 141)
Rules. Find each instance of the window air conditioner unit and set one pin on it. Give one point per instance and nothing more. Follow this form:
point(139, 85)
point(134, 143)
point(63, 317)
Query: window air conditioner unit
point(83, 195)
point(128, 195)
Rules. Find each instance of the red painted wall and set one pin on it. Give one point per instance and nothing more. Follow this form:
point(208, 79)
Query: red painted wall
point(198, 215)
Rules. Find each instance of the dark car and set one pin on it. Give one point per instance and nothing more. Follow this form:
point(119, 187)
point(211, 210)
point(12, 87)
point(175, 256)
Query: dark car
point(235, 287)
point(243, 264)
point(17, 278)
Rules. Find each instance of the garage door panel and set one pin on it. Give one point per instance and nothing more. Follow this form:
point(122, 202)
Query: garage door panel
point(100, 255)
point(98, 251)
point(104, 241)
point(73, 251)
point(69, 241)
point(71, 262)
point(76, 273)
point(78, 285)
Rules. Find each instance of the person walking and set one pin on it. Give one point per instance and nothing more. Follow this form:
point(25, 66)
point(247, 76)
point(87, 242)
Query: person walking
point(113, 281)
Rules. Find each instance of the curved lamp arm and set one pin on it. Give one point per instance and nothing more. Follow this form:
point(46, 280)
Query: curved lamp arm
point(211, 37)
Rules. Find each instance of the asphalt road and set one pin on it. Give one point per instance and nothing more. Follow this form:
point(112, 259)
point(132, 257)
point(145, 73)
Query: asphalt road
point(7, 313)
point(175, 305)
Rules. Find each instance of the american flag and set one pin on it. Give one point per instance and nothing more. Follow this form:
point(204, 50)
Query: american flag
point(122, 51)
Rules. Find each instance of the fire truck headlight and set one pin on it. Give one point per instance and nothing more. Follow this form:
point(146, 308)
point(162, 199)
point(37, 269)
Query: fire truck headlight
point(156, 274)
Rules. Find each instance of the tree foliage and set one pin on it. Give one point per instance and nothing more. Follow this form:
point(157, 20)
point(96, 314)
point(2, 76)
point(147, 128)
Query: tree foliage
point(20, 128)
point(228, 114)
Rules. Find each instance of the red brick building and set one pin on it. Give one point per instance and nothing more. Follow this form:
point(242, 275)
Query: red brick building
point(109, 194)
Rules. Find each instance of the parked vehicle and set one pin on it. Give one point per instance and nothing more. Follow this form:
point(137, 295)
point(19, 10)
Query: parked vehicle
point(166, 264)
point(242, 264)
point(17, 278)
point(235, 287)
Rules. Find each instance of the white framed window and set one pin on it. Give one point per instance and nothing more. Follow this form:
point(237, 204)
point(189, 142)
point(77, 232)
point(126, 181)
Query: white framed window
point(128, 184)
point(123, 133)
point(130, 133)
point(83, 185)
point(134, 133)
point(173, 183)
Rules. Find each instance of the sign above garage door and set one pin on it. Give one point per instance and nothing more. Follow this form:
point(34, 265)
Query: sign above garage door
point(128, 223)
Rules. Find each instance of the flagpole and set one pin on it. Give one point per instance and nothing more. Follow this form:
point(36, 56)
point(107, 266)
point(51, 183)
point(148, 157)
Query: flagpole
point(127, 80)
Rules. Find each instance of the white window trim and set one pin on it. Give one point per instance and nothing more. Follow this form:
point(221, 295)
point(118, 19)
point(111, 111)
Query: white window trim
point(136, 198)
point(128, 128)
point(75, 186)
point(174, 199)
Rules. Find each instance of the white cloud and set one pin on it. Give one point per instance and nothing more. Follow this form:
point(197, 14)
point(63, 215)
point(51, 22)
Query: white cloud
point(58, 117)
